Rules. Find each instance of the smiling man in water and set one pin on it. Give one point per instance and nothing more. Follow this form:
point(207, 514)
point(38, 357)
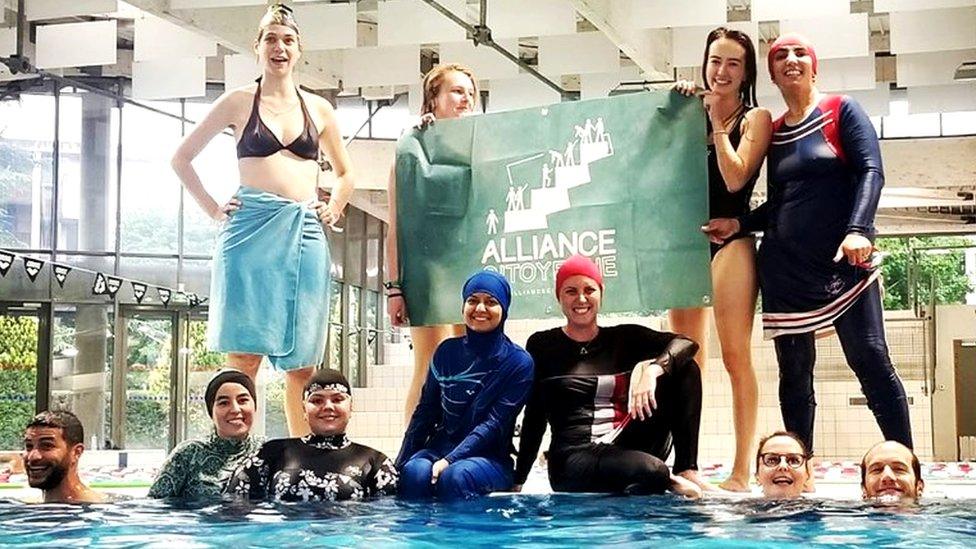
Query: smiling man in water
point(53, 444)
point(891, 474)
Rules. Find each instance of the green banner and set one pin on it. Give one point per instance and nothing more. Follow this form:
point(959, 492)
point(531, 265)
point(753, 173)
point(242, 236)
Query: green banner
point(622, 180)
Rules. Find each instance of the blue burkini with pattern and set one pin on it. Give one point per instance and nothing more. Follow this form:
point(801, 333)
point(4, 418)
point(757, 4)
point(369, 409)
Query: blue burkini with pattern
point(824, 182)
point(269, 291)
point(475, 388)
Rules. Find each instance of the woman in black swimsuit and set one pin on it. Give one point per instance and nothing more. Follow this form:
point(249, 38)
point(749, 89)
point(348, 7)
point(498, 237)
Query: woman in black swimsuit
point(739, 133)
point(270, 283)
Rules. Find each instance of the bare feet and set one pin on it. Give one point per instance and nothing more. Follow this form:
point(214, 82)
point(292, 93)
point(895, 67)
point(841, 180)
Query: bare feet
point(685, 487)
point(733, 484)
point(692, 475)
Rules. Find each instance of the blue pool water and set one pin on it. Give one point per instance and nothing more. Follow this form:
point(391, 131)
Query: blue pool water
point(505, 521)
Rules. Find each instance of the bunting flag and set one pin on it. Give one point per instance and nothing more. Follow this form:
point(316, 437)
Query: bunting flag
point(112, 285)
point(139, 291)
point(6, 260)
point(164, 295)
point(60, 273)
point(33, 267)
point(99, 287)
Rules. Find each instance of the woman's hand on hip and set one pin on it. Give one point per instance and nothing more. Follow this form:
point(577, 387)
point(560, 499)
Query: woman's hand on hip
point(327, 217)
point(856, 248)
point(227, 210)
point(721, 229)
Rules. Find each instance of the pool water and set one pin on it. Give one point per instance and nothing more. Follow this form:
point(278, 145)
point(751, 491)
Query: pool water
point(501, 521)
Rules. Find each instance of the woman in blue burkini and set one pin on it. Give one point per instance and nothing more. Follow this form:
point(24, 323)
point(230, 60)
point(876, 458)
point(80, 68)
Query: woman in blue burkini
point(269, 293)
point(459, 441)
point(815, 260)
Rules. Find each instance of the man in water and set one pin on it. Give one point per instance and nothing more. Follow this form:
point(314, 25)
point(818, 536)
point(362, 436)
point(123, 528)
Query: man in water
point(891, 473)
point(53, 444)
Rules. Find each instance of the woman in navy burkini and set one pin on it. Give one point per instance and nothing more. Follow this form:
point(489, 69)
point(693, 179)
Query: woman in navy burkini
point(815, 260)
point(459, 441)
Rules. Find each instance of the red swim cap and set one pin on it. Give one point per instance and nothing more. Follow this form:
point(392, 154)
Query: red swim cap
point(790, 39)
point(578, 265)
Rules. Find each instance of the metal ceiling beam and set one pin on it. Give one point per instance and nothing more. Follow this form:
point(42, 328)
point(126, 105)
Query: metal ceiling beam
point(481, 35)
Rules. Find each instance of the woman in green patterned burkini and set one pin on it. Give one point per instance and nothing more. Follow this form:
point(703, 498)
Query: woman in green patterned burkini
point(201, 468)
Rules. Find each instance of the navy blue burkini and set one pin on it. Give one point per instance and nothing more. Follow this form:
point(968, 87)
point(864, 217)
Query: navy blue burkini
point(475, 388)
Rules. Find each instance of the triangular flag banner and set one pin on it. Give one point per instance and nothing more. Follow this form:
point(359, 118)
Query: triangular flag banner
point(194, 299)
point(164, 295)
point(60, 273)
point(6, 260)
point(99, 287)
point(113, 285)
point(139, 291)
point(33, 267)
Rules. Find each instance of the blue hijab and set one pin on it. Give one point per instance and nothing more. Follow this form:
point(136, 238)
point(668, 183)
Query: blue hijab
point(497, 286)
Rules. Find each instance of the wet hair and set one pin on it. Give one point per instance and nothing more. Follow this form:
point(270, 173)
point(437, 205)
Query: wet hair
point(916, 464)
point(278, 14)
point(789, 434)
point(70, 427)
point(747, 91)
point(434, 78)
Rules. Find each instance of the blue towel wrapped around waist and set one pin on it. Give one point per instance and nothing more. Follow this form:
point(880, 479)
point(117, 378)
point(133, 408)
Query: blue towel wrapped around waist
point(270, 287)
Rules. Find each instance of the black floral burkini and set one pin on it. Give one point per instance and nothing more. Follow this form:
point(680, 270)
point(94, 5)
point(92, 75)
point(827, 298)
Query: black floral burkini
point(201, 468)
point(314, 468)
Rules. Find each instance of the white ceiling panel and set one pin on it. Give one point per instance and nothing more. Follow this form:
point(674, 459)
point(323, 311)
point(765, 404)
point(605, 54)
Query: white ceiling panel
point(948, 98)
point(327, 26)
point(156, 38)
point(76, 44)
point(848, 73)
point(381, 66)
point(837, 36)
point(688, 43)
point(515, 18)
point(8, 41)
point(933, 30)
point(240, 70)
point(913, 5)
point(577, 53)
point(519, 93)
point(196, 4)
point(415, 99)
point(402, 22)
point(484, 61)
point(596, 85)
point(928, 69)
point(875, 102)
point(648, 14)
point(169, 78)
point(52, 9)
point(773, 10)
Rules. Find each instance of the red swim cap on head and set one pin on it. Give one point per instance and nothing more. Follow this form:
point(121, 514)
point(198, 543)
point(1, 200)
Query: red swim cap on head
point(578, 265)
point(791, 39)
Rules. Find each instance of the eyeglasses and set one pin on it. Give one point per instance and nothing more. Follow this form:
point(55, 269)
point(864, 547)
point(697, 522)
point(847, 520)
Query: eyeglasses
point(794, 461)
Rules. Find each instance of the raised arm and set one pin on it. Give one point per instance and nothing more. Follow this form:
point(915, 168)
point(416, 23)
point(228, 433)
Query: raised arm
point(738, 165)
point(223, 115)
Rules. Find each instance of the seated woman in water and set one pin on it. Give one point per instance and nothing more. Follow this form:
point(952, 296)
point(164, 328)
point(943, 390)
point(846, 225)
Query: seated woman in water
point(324, 465)
point(201, 468)
point(459, 441)
point(782, 465)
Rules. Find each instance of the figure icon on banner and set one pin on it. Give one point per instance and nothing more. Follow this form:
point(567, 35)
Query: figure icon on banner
point(583, 133)
point(546, 176)
point(520, 197)
point(568, 158)
point(492, 221)
point(510, 199)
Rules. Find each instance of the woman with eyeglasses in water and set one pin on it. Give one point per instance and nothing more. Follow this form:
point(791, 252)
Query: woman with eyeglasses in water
point(782, 466)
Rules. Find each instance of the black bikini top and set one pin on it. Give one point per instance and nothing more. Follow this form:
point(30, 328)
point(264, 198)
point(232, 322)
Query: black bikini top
point(258, 140)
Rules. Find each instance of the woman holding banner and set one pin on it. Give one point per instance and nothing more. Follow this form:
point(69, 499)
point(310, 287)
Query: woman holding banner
point(450, 91)
point(815, 263)
point(270, 284)
point(739, 133)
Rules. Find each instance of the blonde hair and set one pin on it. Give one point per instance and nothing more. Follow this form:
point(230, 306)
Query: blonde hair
point(278, 14)
point(434, 78)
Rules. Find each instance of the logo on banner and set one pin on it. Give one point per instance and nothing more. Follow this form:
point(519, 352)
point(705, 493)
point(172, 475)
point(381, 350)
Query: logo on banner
point(99, 287)
point(33, 267)
point(139, 291)
point(547, 179)
point(61, 273)
point(164, 295)
point(112, 285)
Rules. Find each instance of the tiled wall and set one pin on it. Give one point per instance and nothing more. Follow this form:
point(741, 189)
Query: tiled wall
point(843, 430)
